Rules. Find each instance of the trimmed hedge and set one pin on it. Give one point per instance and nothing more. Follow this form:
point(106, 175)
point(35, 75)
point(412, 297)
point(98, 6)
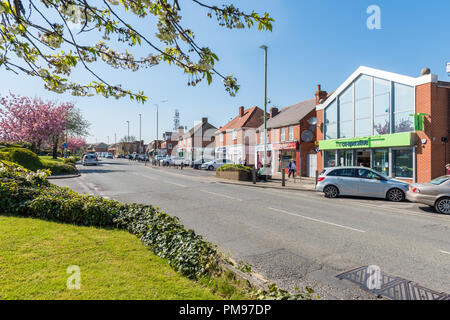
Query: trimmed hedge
point(27, 193)
point(234, 167)
point(31, 161)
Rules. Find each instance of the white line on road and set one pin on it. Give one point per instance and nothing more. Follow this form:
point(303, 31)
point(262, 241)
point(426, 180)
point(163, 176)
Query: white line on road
point(221, 195)
point(176, 184)
point(317, 220)
point(442, 251)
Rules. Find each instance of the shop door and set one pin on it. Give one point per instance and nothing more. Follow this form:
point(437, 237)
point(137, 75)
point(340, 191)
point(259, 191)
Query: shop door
point(345, 158)
point(311, 165)
point(363, 158)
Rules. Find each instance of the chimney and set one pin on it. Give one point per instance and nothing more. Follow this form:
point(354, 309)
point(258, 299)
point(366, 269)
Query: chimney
point(181, 129)
point(273, 112)
point(204, 120)
point(321, 96)
point(241, 111)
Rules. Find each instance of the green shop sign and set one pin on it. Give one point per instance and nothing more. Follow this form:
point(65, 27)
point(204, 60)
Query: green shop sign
point(388, 140)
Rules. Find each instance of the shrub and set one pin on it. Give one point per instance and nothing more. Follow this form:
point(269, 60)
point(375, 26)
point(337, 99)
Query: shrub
point(58, 167)
point(234, 167)
point(23, 157)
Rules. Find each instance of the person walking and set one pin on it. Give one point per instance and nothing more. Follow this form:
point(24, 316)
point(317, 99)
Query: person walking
point(447, 169)
point(292, 169)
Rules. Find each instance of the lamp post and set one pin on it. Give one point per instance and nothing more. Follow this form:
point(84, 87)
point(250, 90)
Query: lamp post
point(157, 126)
point(264, 47)
point(140, 132)
point(128, 136)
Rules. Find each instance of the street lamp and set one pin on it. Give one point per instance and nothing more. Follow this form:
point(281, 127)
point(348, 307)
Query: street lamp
point(157, 126)
point(128, 136)
point(140, 132)
point(264, 47)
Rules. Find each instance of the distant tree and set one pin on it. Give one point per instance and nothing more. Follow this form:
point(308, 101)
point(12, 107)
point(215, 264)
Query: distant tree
point(75, 143)
point(47, 39)
point(128, 139)
point(77, 125)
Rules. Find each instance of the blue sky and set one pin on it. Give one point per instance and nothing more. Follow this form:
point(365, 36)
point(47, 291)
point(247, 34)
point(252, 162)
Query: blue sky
point(313, 42)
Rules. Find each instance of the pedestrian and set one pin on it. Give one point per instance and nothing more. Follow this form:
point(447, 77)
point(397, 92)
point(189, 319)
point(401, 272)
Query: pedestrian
point(292, 169)
point(447, 169)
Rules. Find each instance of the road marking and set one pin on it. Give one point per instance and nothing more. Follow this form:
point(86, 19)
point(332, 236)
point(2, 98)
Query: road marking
point(176, 184)
point(317, 220)
point(221, 195)
point(445, 252)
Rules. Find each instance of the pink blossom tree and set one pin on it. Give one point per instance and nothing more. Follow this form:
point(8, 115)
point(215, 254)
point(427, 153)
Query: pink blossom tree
point(33, 120)
point(74, 144)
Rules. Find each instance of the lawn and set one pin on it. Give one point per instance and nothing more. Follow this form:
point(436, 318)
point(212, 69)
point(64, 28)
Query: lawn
point(50, 158)
point(35, 255)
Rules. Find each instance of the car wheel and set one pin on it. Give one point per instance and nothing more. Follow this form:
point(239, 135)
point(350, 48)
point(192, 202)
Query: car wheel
point(395, 195)
point(443, 205)
point(210, 168)
point(331, 192)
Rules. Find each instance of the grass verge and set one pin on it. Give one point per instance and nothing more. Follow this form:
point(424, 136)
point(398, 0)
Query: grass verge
point(114, 264)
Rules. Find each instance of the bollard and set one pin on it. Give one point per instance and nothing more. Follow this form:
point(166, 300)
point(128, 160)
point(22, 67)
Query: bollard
point(254, 175)
point(317, 177)
point(182, 165)
point(283, 177)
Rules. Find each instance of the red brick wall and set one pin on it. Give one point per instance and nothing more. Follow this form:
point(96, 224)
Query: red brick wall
point(432, 100)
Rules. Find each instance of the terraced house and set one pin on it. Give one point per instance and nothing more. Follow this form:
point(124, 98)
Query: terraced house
point(236, 139)
point(290, 136)
point(395, 124)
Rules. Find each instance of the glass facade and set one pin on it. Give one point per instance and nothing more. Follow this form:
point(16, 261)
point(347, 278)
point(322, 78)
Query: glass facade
point(330, 120)
point(370, 106)
point(380, 161)
point(329, 159)
point(402, 166)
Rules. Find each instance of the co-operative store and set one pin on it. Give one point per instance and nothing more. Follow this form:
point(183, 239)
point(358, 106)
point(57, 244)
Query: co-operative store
point(395, 124)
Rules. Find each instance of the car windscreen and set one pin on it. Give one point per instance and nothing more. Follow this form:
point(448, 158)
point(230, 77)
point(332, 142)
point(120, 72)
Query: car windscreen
point(439, 181)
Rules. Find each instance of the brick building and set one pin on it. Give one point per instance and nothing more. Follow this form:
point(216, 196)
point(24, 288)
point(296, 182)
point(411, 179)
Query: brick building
point(236, 139)
point(198, 142)
point(395, 124)
point(284, 140)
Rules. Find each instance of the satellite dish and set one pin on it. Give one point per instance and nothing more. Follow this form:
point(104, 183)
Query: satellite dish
point(307, 136)
point(313, 121)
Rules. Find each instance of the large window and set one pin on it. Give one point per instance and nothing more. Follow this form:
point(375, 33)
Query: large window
point(380, 161)
point(346, 113)
point(402, 163)
point(282, 134)
point(404, 106)
point(234, 134)
point(381, 106)
point(330, 121)
point(363, 101)
point(329, 158)
point(291, 133)
point(221, 137)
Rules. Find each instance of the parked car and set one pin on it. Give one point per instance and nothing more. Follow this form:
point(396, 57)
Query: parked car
point(89, 159)
point(109, 156)
point(143, 157)
point(178, 161)
point(435, 193)
point(360, 181)
point(197, 164)
point(166, 161)
point(216, 163)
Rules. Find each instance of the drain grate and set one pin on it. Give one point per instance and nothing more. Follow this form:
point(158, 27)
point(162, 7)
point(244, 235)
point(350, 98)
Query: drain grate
point(394, 288)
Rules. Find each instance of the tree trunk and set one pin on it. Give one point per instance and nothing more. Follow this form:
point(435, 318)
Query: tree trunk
point(55, 148)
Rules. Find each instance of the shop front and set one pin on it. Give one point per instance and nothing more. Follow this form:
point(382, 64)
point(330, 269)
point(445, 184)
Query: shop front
point(393, 155)
point(259, 150)
point(284, 152)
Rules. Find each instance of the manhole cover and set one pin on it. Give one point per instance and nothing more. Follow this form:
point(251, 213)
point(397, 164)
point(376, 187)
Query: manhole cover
point(391, 287)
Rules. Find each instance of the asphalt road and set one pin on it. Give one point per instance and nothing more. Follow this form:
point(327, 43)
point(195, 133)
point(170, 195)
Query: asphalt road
point(292, 238)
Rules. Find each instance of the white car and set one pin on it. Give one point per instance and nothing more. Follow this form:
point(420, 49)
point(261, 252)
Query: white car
point(89, 159)
point(216, 163)
point(178, 161)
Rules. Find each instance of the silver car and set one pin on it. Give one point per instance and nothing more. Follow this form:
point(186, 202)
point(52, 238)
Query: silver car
point(360, 181)
point(435, 193)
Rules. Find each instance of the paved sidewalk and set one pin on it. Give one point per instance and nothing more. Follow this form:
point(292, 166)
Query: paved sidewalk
point(304, 184)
